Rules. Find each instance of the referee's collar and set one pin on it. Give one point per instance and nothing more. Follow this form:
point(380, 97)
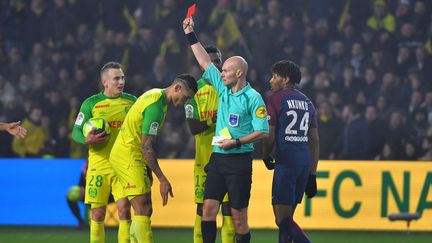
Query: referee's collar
point(244, 89)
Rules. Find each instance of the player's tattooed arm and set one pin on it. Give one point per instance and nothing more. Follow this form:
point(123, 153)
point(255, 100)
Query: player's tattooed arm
point(149, 155)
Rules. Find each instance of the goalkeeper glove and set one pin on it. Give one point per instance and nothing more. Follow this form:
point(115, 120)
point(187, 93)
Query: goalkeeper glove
point(311, 186)
point(269, 163)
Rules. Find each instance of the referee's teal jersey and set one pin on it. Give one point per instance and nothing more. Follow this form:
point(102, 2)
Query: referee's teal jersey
point(242, 113)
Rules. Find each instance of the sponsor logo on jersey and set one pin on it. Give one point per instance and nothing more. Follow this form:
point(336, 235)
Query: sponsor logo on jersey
point(115, 124)
point(296, 139)
point(129, 186)
point(233, 120)
point(208, 114)
point(80, 118)
point(189, 110)
point(154, 128)
point(203, 93)
point(261, 112)
point(102, 106)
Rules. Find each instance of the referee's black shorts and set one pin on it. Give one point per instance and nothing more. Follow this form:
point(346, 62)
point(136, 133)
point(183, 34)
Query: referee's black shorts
point(230, 173)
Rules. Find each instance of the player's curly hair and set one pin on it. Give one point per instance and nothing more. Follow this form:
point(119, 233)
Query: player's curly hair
point(187, 80)
point(285, 68)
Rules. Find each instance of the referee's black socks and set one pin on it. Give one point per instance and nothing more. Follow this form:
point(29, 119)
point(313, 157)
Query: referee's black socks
point(208, 229)
point(243, 238)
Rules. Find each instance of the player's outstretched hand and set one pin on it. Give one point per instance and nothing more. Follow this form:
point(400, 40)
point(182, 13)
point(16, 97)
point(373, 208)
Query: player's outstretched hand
point(16, 130)
point(311, 186)
point(269, 163)
point(188, 25)
point(165, 189)
point(95, 137)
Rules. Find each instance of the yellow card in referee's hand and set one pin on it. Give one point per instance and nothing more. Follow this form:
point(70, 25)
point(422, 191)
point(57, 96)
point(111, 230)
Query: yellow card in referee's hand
point(225, 133)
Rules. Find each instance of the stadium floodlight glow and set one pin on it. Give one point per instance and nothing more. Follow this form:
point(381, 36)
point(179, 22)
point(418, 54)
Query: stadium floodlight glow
point(408, 217)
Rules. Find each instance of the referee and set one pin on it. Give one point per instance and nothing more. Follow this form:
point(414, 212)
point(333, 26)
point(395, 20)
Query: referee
point(242, 115)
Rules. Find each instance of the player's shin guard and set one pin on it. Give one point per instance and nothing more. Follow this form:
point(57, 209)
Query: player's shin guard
point(97, 232)
point(227, 231)
point(197, 230)
point(124, 231)
point(243, 238)
point(141, 229)
point(208, 231)
point(289, 230)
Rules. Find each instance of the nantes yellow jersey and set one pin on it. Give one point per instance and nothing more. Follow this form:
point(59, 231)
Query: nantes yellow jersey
point(203, 107)
point(146, 117)
point(112, 110)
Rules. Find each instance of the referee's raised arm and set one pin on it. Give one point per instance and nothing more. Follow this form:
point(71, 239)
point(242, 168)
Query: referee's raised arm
point(198, 50)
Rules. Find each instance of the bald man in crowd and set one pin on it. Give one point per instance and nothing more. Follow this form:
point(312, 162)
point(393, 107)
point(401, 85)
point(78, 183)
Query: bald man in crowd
point(241, 121)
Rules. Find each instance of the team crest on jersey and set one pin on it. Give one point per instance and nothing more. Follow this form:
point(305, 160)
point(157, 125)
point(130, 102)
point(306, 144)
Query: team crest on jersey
point(189, 111)
point(154, 128)
point(261, 112)
point(233, 120)
point(80, 118)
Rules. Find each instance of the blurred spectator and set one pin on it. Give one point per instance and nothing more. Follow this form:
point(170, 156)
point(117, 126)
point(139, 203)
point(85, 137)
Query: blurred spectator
point(354, 138)
point(329, 128)
point(377, 130)
point(381, 18)
point(34, 143)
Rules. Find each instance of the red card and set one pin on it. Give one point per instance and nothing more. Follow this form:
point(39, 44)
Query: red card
point(191, 10)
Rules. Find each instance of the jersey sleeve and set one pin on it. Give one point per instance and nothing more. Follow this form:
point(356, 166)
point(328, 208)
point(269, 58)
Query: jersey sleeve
point(191, 110)
point(212, 74)
point(83, 116)
point(272, 112)
point(152, 119)
point(313, 120)
point(259, 114)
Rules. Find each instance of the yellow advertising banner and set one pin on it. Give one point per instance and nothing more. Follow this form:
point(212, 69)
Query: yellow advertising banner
point(352, 195)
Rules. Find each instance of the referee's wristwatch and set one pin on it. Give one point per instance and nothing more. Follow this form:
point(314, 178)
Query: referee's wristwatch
point(238, 143)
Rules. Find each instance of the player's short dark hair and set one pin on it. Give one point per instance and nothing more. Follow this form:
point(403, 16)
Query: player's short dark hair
point(212, 49)
point(287, 69)
point(187, 80)
point(110, 65)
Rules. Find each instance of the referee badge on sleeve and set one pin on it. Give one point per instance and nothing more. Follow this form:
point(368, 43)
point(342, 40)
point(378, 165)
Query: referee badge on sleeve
point(80, 118)
point(233, 120)
point(154, 128)
point(189, 110)
point(261, 112)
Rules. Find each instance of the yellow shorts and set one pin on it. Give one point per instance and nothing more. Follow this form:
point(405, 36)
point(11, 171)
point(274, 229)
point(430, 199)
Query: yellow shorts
point(99, 187)
point(134, 179)
point(199, 182)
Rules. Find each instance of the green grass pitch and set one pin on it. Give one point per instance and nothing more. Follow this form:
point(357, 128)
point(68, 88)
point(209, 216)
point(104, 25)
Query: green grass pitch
point(17, 234)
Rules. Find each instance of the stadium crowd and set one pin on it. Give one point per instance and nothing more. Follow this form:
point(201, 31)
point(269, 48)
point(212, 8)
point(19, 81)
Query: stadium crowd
point(365, 64)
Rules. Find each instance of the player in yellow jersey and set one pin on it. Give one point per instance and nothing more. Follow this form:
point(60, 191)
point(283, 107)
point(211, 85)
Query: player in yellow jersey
point(201, 113)
point(111, 104)
point(133, 150)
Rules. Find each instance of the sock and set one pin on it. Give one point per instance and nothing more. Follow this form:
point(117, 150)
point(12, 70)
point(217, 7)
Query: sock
point(124, 231)
point(299, 234)
point(289, 230)
point(243, 238)
point(227, 231)
point(73, 206)
point(141, 229)
point(97, 232)
point(208, 231)
point(197, 235)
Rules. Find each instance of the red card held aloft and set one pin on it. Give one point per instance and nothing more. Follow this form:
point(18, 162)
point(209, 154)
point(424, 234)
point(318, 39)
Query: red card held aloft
point(191, 10)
